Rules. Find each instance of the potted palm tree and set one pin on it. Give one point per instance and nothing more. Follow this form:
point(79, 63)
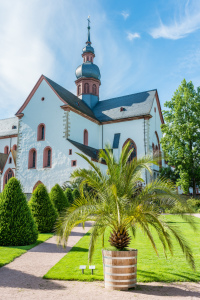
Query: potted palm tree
point(114, 200)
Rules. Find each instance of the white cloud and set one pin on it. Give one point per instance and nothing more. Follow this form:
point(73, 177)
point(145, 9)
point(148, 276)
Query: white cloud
point(47, 37)
point(187, 23)
point(125, 14)
point(131, 36)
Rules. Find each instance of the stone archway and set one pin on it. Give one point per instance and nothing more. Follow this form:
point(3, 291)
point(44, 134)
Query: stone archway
point(8, 174)
point(37, 183)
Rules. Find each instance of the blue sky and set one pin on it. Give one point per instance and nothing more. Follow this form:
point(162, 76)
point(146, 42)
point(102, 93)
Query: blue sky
point(139, 45)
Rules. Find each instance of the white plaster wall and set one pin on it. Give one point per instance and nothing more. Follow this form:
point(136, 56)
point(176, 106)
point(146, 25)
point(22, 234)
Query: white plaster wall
point(133, 129)
point(7, 142)
point(155, 125)
point(6, 167)
point(49, 113)
point(77, 126)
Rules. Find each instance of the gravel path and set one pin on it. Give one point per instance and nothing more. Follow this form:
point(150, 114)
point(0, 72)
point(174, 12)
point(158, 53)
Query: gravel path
point(22, 279)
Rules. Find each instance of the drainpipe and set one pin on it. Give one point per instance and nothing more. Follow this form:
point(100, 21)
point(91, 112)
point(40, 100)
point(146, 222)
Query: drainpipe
point(102, 136)
point(145, 152)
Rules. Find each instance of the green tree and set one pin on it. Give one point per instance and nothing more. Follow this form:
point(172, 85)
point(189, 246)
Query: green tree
point(43, 209)
point(69, 196)
point(76, 194)
point(181, 135)
point(17, 227)
point(58, 198)
point(118, 204)
point(167, 172)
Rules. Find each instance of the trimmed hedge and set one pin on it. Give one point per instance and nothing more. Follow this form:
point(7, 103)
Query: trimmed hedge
point(58, 198)
point(76, 194)
point(17, 226)
point(69, 196)
point(43, 210)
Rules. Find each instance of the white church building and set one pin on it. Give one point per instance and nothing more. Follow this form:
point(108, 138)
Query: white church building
point(52, 125)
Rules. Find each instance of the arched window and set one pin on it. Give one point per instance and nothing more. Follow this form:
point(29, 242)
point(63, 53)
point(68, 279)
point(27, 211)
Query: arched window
point(85, 137)
point(10, 160)
point(6, 149)
point(41, 132)
point(86, 88)
point(47, 157)
point(14, 147)
point(94, 89)
point(132, 146)
point(37, 183)
point(32, 158)
point(87, 58)
point(79, 89)
point(9, 174)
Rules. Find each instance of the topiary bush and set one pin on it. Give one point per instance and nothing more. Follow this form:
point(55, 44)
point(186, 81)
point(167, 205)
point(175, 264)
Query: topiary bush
point(76, 194)
point(58, 198)
point(17, 226)
point(69, 196)
point(43, 210)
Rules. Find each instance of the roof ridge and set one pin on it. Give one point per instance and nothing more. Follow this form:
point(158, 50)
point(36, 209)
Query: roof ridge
point(128, 95)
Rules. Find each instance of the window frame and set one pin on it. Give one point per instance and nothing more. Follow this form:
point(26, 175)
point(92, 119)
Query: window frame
point(45, 157)
point(39, 132)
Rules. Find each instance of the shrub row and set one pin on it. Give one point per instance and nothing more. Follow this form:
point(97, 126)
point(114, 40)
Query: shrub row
point(20, 221)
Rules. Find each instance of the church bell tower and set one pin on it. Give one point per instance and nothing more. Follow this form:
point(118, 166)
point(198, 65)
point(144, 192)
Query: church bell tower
point(88, 75)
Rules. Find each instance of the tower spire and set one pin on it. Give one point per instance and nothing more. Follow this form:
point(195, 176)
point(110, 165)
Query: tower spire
point(88, 40)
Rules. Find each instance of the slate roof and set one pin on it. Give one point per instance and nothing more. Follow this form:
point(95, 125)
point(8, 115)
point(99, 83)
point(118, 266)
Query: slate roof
point(71, 99)
point(89, 151)
point(3, 159)
point(6, 126)
point(134, 105)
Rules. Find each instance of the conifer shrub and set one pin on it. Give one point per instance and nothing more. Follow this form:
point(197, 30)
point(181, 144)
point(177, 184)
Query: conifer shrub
point(58, 198)
point(43, 210)
point(69, 196)
point(76, 194)
point(17, 226)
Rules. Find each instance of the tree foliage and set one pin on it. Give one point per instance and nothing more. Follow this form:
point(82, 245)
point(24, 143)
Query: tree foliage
point(181, 134)
point(58, 198)
point(169, 173)
point(17, 226)
point(43, 210)
point(69, 195)
point(76, 194)
point(118, 204)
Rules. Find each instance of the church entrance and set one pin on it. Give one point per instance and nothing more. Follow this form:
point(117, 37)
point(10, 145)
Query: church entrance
point(9, 174)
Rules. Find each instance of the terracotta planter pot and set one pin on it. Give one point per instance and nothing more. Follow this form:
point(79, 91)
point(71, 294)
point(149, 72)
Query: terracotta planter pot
point(120, 269)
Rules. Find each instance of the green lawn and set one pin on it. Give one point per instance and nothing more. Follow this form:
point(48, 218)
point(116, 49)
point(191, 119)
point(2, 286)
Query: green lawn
point(8, 254)
point(150, 267)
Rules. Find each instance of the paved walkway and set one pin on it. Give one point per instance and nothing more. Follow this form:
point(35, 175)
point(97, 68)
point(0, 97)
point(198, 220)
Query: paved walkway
point(22, 279)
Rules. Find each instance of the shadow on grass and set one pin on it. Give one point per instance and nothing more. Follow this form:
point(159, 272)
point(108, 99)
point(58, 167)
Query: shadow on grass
point(79, 249)
point(154, 277)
